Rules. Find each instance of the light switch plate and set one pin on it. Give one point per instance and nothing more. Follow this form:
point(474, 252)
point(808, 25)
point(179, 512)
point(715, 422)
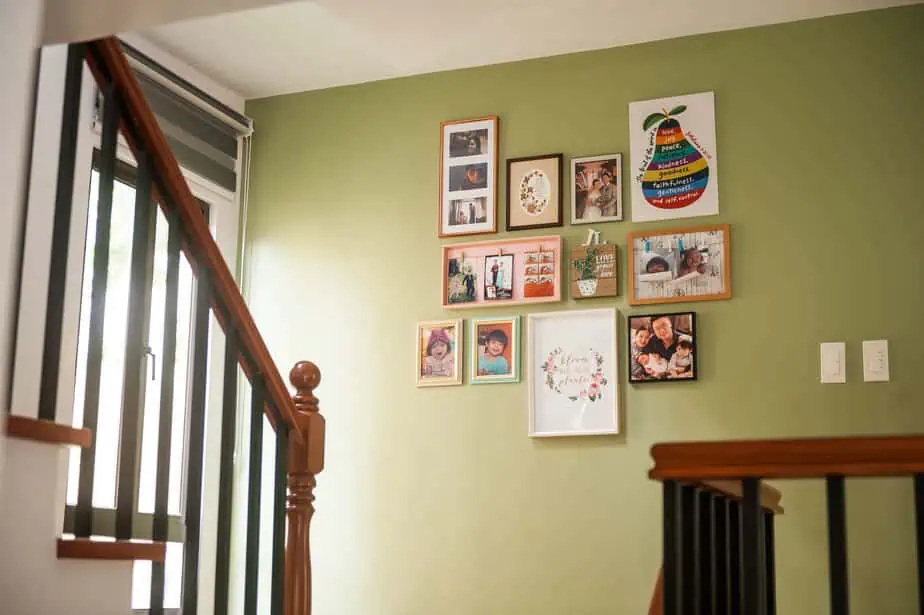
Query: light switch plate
point(834, 362)
point(876, 360)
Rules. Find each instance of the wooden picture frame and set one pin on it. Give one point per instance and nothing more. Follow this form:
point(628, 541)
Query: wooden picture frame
point(435, 368)
point(680, 265)
point(573, 376)
point(484, 331)
point(536, 276)
point(538, 202)
point(468, 177)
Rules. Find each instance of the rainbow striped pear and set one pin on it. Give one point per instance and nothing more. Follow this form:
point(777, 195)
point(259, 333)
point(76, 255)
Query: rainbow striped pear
point(678, 172)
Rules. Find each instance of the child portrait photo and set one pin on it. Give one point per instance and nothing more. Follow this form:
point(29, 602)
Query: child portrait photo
point(495, 350)
point(662, 347)
point(498, 277)
point(439, 353)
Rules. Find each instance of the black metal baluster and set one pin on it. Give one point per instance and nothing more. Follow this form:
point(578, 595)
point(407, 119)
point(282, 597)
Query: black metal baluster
point(671, 557)
point(133, 384)
point(704, 545)
point(770, 559)
point(734, 557)
point(226, 474)
point(837, 545)
point(165, 427)
point(919, 526)
point(83, 513)
point(195, 446)
point(720, 583)
point(279, 517)
point(252, 554)
point(688, 559)
point(60, 234)
point(753, 601)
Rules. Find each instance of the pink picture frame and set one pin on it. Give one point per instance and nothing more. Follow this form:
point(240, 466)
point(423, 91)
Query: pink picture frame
point(468, 272)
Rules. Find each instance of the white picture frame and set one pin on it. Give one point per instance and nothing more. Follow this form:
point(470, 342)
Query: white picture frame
point(584, 171)
point(573, 373)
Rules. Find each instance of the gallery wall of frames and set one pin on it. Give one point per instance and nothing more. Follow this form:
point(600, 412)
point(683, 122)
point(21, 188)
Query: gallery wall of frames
point(569, 359)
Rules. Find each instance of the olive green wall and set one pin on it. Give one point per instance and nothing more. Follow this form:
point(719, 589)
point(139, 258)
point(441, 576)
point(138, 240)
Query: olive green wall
point(435, 500)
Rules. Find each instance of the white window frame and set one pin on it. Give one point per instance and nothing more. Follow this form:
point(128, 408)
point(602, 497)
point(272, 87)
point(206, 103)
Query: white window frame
point(224, 221)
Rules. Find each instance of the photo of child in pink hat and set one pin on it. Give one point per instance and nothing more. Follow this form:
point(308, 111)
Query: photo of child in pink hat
point(438, 351)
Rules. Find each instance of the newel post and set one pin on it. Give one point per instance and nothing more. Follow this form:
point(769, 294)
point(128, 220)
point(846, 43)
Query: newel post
point(305, 462)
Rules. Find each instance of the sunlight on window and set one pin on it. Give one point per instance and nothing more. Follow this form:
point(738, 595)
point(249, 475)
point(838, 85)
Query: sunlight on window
point(114, 334)
point(141, 580)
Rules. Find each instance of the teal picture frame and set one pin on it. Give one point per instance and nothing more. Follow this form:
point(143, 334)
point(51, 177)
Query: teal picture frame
point(480, 329)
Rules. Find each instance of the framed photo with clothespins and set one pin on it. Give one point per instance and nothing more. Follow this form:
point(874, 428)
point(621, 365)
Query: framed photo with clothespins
point(498, 276)
point(676, 266)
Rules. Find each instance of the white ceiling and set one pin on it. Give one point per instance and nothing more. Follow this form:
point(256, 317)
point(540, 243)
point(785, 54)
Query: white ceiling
point(316, 44)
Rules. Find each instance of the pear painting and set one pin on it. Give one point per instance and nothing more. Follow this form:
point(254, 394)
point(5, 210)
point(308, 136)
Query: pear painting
point(674, 171)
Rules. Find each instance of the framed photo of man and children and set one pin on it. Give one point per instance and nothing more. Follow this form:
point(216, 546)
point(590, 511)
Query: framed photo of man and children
point(495, 352)
point(468, 177)
point(596, 189)
point(662, 347)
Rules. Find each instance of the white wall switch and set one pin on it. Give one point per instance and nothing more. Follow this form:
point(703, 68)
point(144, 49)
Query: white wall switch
point(834, 362)
point(876, 360)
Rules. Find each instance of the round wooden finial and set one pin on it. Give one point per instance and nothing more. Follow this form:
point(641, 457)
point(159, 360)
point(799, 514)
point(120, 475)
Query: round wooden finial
point(305, 376)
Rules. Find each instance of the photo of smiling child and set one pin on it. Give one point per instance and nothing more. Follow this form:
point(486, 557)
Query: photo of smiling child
point(438, 353)
point(495, 352)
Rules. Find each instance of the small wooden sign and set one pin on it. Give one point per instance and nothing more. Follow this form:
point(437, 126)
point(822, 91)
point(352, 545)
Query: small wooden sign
point(593, 271)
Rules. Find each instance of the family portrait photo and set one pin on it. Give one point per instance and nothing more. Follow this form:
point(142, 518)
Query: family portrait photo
point(439, 351)
point(596, 189)
point(468, 177)
point(683, 265)
point(468, 143)
point(662, 347)
point(496, 352)
point(498, 277)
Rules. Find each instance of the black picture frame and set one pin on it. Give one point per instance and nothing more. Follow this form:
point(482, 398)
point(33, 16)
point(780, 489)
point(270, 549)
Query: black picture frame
point(560, 209)
point(652, 317)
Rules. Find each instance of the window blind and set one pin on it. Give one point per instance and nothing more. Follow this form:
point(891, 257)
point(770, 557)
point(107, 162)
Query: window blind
point(204, 134)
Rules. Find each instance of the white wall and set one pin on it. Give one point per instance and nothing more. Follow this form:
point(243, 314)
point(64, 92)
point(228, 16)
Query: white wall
point(72, 20)
point(33, 581)
point(19, 34)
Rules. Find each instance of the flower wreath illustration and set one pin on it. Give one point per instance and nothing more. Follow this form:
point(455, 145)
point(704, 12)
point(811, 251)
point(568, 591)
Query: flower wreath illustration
point(557, 372)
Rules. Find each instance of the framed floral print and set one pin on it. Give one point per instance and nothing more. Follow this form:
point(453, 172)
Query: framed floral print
point(495, 353)
point(534, 192)
point(468, 177)
point(573, 380)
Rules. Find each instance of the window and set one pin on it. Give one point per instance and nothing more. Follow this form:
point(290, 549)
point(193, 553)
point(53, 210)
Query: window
point(111, 370)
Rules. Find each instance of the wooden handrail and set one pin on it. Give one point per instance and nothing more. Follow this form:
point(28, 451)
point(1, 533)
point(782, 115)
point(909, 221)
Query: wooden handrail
point(794, 458)
point(139, 126)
